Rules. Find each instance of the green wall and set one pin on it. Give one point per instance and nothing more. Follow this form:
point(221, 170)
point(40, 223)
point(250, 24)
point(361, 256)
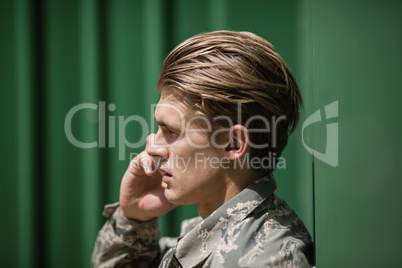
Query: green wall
point(356, 59)
point(57, 54)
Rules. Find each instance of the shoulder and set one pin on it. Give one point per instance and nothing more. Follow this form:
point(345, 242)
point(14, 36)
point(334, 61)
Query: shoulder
point(278, 236)
point(281, 215)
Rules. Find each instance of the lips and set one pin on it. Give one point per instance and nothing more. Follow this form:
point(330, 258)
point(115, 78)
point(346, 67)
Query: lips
point(166, 177)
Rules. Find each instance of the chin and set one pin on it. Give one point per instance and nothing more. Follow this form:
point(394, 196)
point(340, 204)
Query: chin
point(170, 197)
point(173, 199)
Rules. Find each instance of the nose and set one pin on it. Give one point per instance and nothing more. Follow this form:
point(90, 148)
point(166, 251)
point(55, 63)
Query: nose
point(156, 147)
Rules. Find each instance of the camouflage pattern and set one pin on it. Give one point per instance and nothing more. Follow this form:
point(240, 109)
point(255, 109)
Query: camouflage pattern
point(256, 228)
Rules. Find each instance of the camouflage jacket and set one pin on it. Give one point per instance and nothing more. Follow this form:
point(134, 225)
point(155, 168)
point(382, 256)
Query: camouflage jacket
point(256, 228)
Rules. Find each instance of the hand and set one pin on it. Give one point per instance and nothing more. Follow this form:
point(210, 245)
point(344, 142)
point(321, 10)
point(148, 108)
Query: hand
point(142, 192)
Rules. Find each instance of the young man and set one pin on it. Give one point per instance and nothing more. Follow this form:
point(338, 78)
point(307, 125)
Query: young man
point(228, 104)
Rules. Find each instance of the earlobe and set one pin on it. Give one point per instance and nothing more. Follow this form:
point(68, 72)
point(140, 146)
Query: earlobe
point(238, 144)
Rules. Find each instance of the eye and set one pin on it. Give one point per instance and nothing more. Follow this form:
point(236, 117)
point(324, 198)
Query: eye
point(170, 135)
point(168, 131)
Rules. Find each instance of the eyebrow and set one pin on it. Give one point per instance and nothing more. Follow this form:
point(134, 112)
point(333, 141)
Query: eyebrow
point(164, 124)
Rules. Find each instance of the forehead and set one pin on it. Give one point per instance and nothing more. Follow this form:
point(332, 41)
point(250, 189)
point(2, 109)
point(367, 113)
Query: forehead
point(172, 108)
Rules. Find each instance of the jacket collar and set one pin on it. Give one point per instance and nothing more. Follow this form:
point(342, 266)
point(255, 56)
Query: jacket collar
point(198, 244)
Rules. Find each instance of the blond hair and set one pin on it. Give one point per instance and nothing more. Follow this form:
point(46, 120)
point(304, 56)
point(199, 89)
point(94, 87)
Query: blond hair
point(218, 70)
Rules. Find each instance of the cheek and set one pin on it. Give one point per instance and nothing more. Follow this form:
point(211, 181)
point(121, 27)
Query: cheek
point(190, 162)
point(197, 139)
point(181, 160)
point(205, 164)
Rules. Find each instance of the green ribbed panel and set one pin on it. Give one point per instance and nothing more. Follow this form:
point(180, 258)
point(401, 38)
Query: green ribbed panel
point(356, 60)
point(58, 54)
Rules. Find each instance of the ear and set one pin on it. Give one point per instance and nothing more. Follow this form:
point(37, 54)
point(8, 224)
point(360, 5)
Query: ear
point(238, 142)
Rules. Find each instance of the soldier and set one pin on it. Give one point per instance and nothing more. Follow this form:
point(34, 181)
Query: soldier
point(228, 104)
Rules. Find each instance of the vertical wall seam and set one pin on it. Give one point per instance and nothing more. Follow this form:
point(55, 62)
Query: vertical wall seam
point(103, 55)
point(90, 92)
point(39, 99)
point(25, 144)
point(311, 24)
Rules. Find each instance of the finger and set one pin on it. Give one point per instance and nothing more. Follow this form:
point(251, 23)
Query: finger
point(157, 161)
point(146, 163)
point(134, 163)
point(135, 167)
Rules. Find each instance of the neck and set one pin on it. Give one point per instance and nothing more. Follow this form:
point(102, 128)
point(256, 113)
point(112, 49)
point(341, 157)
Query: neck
point(234, 185)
